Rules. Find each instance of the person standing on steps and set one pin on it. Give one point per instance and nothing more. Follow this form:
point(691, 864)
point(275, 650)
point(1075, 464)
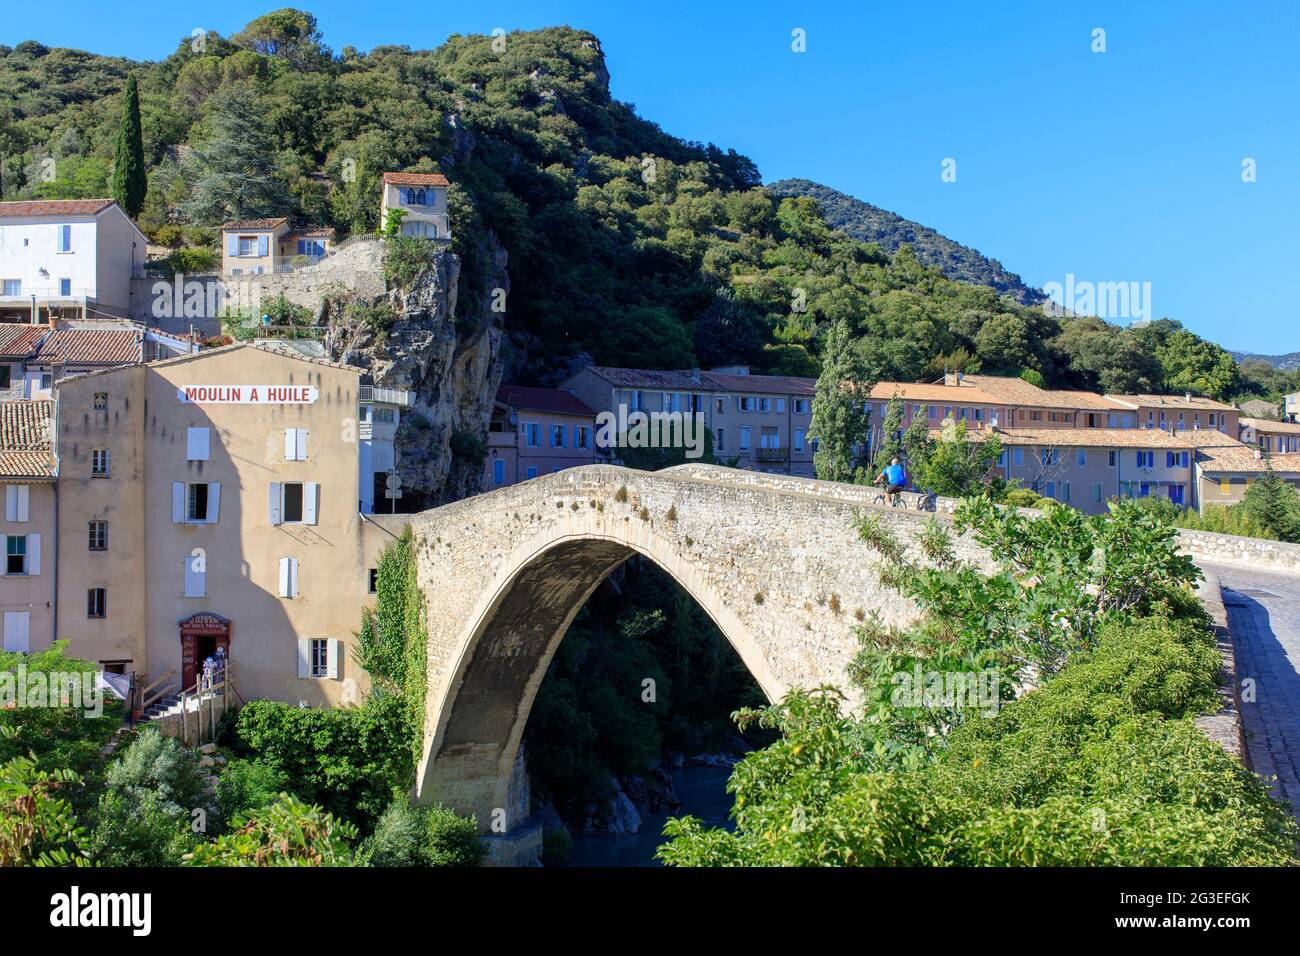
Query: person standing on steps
point(894, 478)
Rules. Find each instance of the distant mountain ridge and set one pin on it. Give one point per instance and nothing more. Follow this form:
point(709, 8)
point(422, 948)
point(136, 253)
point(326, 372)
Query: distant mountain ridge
point(1289, 362)
point(868, 223)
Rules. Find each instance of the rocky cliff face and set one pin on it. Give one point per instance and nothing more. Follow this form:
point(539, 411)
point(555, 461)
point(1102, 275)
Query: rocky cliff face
point(445, 347)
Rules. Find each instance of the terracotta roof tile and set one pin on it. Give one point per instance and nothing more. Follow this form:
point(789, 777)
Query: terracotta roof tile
point(1271, 426)
point(415, 179)
point(554, 400)
point(53, 207)
point(1172, 401)
point(20, 338)
point(25, 439)
point(1246, 461)
point(90, 347)
point(762, 384)
point(1085, 437)
point(254, 224)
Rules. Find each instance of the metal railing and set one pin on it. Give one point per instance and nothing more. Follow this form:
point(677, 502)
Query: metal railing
point(384, 396)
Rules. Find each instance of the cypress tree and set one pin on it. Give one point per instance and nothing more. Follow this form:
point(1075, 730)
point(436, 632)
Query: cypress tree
point(839, 419)
point(129, 183)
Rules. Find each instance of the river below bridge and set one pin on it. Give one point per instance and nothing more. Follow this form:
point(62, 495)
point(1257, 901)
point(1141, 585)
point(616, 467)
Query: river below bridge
point(703, 793)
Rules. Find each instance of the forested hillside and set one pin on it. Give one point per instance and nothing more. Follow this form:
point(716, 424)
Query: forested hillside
point(867, 223)
point(625, 243)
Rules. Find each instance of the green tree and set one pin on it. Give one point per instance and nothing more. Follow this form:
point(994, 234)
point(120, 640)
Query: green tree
point(232, 173)
point(129, 174)
point(1273, 505)
point(37, 825)
point(285, 833)
point(287, 34)
point(891, 441)
point(839, 419)
point(954, 465)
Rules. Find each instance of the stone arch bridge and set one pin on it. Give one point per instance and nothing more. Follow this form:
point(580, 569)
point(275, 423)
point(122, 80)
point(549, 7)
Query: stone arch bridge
point(774, 560)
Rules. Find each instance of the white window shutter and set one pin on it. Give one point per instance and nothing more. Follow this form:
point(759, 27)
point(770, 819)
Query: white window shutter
point(290, 444)
point(195, 580)
point(33, 554)
point(275, 502)
point(11, 502)
point(333, 655)
point(310, 494)
point(16, 634)
point(288, 577)
point(178, 502)
point(302, 444)
point(304, 657)
point(214, 501)
point(196, 444)
point(23, 498)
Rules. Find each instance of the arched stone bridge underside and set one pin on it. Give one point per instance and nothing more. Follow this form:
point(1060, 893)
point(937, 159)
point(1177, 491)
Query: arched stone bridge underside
point(774, 560)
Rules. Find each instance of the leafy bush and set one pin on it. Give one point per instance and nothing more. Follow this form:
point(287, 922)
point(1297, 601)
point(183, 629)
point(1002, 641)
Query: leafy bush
point(405, 257)
point(347, 759)
point(146, 812)
point(424, 836)
point(247, 785)
point(288, 832)
point(37, 825)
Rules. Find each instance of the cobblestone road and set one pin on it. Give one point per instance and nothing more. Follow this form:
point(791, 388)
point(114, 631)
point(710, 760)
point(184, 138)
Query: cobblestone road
point(1264, 617)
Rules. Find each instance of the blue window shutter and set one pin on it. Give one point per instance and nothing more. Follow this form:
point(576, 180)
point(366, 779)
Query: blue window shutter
point(263, 245)
point(302, 246)
point(65, 238)
point(232, 245)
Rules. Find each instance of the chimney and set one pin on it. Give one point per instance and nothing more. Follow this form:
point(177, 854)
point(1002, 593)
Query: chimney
point(1188, 396)
point(53, 321)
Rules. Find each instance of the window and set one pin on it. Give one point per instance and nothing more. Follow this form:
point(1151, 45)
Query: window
point(246, 246)
point(98, 534)
point(293, 502)
point(47, 382)
point(1096, 491)
point(744, 438)
point(288, 577)
point(65, 287)
point(97, 602)
point(581, 436)
point(385, 416)
point(801, 406)
point(6, 372)
point(1176, 494)
point(17, 631)
point(764, 404)
point(557, 436)
point(933, 412)
point(320, 656)
point(721, 439)
point(101, 401)
point(532, 435)
point(1112, 457)
point(98, 460)
point(744, 403)
point(1083, 458)
point(196, 508)
point(196, 576)
point(1146, 459)
point(295, 444)
point(799, 434)
point(372, 581)
point(1002, 458)
point(720, 405)
point(531, 471)
point(196, 444)
point(16, 499)
point(311, 247)
point(499, 471)
point(13, 287)
point(1065, 491)
point(65, 238)
point(1019, 456)
point(16, 554)
point(196, 502)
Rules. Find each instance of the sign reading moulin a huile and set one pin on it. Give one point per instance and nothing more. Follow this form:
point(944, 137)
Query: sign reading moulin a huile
point(248, 394)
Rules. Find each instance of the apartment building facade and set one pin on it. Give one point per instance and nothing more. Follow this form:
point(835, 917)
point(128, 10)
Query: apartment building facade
point(211, 501)
point(1269, 435)
point(758, 422)
point(536, 431)
point(67, 257)
point(1086, 467)
point(1185, 412)
point(27, 533)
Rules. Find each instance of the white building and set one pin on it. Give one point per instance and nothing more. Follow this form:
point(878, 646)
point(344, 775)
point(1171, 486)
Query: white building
point(67, 257)
point(422, 200)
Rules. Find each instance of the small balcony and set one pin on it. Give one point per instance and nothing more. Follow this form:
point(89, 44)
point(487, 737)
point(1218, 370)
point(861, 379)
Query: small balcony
point(771, 454)
point(376, 395)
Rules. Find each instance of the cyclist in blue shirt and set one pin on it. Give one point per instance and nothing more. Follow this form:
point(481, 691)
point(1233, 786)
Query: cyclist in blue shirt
point(895, 479)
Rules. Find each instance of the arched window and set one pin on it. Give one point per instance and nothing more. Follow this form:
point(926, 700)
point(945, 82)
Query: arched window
point(420, 198)
point(98, 531)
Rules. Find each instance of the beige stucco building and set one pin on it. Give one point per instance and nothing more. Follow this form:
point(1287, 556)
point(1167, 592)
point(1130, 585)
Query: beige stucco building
point(225, 491)
point(269, 246)
point(27, 534)
point(422, 200)
point(536, 431)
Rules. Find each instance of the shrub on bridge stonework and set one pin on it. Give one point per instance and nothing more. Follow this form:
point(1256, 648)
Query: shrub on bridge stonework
point(392, 643)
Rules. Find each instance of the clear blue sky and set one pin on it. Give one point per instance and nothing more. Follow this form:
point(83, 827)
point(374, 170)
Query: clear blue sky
point(1115, 166)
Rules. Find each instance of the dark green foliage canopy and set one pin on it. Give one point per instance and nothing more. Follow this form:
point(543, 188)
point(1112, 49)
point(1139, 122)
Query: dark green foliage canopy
point(129, 183)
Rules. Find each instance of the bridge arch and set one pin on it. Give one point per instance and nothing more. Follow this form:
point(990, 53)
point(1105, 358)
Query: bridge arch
point(774, 561)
